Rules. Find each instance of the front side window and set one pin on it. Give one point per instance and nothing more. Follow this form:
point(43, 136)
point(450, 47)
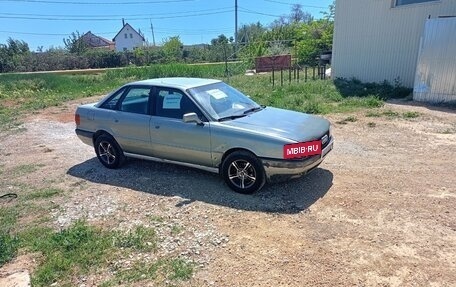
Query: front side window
point(136, 101)
point(172, 103)
point(407, 2)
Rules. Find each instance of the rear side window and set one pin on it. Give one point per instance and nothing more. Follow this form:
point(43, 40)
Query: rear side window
point(111, 104)
point(136, 101)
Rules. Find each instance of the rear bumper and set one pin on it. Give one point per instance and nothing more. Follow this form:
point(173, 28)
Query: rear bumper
point(281, 170)
point(85, 136)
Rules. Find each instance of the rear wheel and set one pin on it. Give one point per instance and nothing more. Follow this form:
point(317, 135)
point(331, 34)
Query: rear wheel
point(108, 151)
point(243, 172)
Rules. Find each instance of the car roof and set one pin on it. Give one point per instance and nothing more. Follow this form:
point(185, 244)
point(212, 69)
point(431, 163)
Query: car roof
point(177, 82)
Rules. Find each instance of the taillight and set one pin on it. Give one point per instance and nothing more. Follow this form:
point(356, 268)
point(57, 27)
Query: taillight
point(77, 119)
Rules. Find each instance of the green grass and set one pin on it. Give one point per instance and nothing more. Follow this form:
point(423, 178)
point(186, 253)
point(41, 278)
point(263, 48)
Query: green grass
point(315, 97)
point(350, 119)
point(43, 193)
point(8, 242)
point(410, 115)
point(176, 229)
point(24, 169)
point(8, 247)
point(25, 93)
point(81, 249)
point(161, 270)
point(140, 238)
point(393, 114)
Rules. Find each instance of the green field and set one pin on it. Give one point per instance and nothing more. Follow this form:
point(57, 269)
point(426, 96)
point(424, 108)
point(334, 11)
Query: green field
point(25, 93)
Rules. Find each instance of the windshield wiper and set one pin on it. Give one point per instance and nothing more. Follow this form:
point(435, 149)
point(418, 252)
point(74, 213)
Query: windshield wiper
point(232, 117)
point(253, 110)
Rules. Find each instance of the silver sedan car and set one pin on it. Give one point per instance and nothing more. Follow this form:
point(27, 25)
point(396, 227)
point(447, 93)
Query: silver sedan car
point(206, 124)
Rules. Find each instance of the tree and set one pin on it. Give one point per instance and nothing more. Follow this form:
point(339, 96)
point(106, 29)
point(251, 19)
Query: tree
point(313, 39)
point(173, 49)
point(332, 12)
point(75, 44)
point(250, 33)
point(297, 15)
point(219, 50)
point(13, 55)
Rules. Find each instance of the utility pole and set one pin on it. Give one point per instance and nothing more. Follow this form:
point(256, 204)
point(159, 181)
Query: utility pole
point(235, 25)
point(153, 35)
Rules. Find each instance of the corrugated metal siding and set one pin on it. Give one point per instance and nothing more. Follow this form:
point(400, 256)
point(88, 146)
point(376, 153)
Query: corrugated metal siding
point(436, 69)
point(374, 41)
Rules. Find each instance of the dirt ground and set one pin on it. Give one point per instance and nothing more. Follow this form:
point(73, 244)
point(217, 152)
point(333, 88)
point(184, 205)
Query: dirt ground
point(380, 210)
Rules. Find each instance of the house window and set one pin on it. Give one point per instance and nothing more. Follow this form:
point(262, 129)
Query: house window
point(126, 36)
point(131, 35)
point(407, 2)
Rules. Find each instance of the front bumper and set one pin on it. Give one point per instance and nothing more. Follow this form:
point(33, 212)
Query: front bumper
point(281, 170)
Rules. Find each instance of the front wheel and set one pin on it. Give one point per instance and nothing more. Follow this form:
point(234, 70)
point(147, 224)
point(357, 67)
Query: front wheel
point(243, 172)
point(108, 151)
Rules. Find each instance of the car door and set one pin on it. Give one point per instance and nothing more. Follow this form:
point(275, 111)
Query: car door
point(173, 139)
point(131, 120)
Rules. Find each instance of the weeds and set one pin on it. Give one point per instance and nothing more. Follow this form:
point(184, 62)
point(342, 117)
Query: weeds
point(410, 115)
point(371, 124)
point(8, 247)
point(43, 193)
point(161, 270)
point(176, 229)
point(8, 242)
point(141, 239)
point(350, 119)
point(25, 169)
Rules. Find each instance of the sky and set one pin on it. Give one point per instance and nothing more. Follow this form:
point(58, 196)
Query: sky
point(44, 23)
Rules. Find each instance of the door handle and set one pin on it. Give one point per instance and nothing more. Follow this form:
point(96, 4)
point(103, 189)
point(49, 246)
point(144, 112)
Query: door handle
point(157, 127)
point(116, 120)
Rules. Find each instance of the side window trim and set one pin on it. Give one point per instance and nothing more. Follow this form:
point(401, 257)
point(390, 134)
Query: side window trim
point(121, 91)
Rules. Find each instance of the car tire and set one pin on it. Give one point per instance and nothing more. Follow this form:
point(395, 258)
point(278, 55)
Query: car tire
point(108, 151)
point(243, 172)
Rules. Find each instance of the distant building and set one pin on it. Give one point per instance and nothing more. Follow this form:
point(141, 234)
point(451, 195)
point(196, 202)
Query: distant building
point(127, 39)
point(96, 42)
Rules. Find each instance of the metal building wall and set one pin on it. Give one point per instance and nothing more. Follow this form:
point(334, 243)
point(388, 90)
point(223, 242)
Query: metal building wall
point(436, 68)
point(374, 41)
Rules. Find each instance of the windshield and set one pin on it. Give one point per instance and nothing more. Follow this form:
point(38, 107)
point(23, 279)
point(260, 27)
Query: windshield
point(222, 101)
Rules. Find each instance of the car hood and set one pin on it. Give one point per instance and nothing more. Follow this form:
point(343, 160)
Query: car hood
point(283, 123)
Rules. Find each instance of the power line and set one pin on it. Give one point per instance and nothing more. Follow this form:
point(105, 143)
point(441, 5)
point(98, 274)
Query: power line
point(245, 10)
point(160, 31)
point(221, 9)
point(291, 4)
point(99, 3)
point(36, 34)
point(114, 19)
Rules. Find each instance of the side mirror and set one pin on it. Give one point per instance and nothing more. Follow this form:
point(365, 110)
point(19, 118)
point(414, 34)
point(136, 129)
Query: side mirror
point(192, 118)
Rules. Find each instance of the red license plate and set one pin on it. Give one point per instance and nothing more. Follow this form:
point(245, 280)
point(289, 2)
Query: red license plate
point(301, 149)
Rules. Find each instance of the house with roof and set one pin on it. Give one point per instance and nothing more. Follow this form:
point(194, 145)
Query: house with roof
point(96, 42)
point(411, 42)
point(127, 39)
